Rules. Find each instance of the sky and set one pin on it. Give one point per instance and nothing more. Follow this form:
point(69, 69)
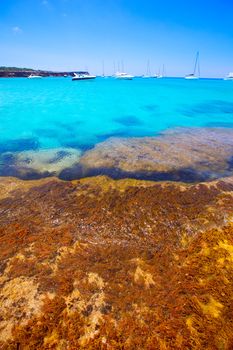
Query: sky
point(76, 35)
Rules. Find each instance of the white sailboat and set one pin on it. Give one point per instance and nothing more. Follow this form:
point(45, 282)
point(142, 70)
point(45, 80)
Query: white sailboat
point(193, 75)
point(159, 76)
point(123, 76)
point(148, 72)
point(229, 76)
point(103, 71)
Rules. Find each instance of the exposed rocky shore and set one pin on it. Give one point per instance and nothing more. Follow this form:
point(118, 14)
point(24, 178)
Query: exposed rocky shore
point(105, 264)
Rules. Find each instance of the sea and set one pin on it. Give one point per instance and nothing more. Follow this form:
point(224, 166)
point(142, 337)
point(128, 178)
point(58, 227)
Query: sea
point(58, 113)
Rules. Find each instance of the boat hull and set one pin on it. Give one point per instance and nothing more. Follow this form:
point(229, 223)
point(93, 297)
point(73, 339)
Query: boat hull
point(191, 78)
point(83, 78)
point(124, 78)
point(35, 77)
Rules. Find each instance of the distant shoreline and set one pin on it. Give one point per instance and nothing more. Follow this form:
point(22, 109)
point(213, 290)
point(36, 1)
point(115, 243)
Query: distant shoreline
point(25, 74)
point(15, 72)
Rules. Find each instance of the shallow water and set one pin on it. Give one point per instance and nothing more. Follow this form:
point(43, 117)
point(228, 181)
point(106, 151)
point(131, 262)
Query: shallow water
point(56, 113)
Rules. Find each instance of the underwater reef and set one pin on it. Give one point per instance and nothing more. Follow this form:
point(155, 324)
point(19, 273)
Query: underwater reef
point(180, 154)
point(111, 264)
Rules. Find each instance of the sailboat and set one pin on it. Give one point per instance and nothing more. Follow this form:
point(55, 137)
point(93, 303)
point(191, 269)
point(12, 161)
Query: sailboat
point(122, 75)
point(148, 72)
point(159, 76)
point(229, 76)
point(196, 69)
point(103, 71)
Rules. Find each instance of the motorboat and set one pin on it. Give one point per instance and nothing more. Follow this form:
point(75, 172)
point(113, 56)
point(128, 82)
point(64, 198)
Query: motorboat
point(229, 76)
point(32, 76)
point(83, 76)
point(196, 71)
point(123, 76)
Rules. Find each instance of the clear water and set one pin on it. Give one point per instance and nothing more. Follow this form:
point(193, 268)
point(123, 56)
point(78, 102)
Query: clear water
point(57, 112)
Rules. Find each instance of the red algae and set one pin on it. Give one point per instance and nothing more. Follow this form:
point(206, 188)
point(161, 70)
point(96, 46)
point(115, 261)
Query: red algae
point(104, 264)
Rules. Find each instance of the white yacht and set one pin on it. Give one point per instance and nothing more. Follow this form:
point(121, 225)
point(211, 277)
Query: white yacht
point(193, 75)
point(229, 76)
point(32, 76)
point(124, 76)
point(159, 76)
point(83, 76)
point(148, 71)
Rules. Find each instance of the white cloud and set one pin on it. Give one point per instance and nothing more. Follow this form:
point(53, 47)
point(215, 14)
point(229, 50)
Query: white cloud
point(16, 29)
point(45, 3)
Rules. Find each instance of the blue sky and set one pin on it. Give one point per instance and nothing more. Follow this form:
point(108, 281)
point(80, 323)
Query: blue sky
point(80, 34)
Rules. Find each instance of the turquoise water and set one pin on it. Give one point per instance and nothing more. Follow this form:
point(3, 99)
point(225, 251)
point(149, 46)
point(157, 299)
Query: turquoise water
point(48, 125)
point(56, 112)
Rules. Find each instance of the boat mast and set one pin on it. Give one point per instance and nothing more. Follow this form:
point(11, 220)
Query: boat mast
point(163, 71)
point(122, 66)
point(197, 65)
point(103, 73)
point(148, 72)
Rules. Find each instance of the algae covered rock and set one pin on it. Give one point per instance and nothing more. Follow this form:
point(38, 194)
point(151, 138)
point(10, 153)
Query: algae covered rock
point(189, 155)
point(98, 263)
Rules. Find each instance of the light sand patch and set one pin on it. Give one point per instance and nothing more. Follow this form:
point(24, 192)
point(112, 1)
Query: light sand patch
point(142, 274)
point(51, 160)
point(145, 276)
point(212, 308)
point(19, 301)
point(97, 302)
point(75, 302)
point(7, 270)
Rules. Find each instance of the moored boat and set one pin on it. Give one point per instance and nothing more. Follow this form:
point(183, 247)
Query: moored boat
point(229, 76)
point(148, 71)
point(32, 76)
point(123, 76)
point(83, 76)
point(193, 75)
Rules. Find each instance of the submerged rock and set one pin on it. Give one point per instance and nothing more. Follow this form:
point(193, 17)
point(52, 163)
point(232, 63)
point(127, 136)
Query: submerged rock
point(127, 264)
point(37, 164)
point(189, 155)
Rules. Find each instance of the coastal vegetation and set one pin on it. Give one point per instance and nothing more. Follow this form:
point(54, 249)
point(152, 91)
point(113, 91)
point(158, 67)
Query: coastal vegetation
point(14, 69)
point(17, 72)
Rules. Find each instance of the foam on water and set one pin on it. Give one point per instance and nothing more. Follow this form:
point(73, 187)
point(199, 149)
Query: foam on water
point(56, 113)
